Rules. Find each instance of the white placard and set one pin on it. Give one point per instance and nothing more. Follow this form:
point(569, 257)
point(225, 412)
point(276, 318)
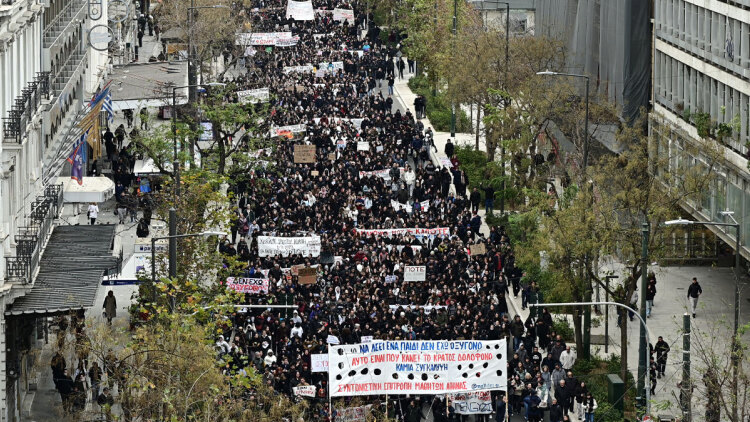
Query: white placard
point(383, 174)
point(417, 367)
point(352, 414)
point(427, 308)
point(307, 68)
point(280, 39)
point(253, 286)
point(342, 15)
point(300, 10)
point(363, 146)
point(474, 403)
point(366, 339)
point(285, 246)
point(415, 273)
point(304, 391)
point(281, 130)
point(253, 96)
point(332, 339)
point(319, 362)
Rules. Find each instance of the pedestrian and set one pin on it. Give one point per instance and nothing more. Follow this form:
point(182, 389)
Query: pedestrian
point(650, 294)
point(694, 291)
point(144, 118)
point(157, 30)
point(580, 401)
point(140, 38)
point(65, 388)
point(150, 26)
point(475, 198)
point(105, 402)
point(563, 396)
point(590, 406)
point(555, 412)
point(390, 85)
point(500, 406)
point(489, 199)
point(568, 359)
point(400, 66)
point(652, 371)
point(662, 349)
point(411, 65)
point(449, 148)
point(110, 307)
point(93, 213)
point(95, 379)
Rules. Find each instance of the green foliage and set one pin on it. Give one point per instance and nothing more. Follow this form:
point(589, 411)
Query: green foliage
point(702, 123)
point(439, 108)
point(562, 327)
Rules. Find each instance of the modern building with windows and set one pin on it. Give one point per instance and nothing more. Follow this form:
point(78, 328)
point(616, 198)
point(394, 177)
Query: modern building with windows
point(701, 91)
point(47, 72)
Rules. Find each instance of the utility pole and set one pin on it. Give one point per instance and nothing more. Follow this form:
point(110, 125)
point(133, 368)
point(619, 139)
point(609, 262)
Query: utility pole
point(453, 103)
point(643, 348)
point(192, 76)
point(686, 384)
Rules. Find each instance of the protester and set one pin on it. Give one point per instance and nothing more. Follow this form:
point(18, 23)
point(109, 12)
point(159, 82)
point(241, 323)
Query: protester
point(694, 291)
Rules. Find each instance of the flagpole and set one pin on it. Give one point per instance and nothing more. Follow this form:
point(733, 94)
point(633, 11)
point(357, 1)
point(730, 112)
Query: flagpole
point(330, 412)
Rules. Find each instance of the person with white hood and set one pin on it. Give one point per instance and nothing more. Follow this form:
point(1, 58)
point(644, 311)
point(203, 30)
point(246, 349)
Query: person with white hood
point(222, 345)
point(297, 330)
point(270, 359)
point(410, 178)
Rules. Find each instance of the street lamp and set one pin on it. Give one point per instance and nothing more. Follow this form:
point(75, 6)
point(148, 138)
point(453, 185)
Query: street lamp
point(735, 351)
point(640, 318)
point(192, 76)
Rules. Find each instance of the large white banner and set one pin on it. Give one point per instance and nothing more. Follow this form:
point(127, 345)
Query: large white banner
point(331, 67)
point(307, 68)
point(300, 10)
point(254, 96)
point(415, 273)
point(285, 246)
point(438, 231)
point(280, 39)
point(282, 130)
point(319, 362)
point(474, 403)
point(417, 367)
point(342, 15)
point(383, 174)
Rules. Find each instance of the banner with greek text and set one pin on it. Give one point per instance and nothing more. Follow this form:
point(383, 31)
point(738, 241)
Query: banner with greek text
point(352, 414)
point(253, 96)
point(383, 174)
point(304, 391)
point(415, 273)
point(474, 403)
point(417, 367)
point(438, 231)
point(341, 15)
point(253, 286)
point(319, 362)
point(285, 246)
point(279, 39)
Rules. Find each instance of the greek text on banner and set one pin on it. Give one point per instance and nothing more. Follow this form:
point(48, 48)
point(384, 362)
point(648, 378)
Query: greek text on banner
point(285, 246)
point(417, 367)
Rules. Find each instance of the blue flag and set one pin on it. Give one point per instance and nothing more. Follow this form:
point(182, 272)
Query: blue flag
point(77, 160)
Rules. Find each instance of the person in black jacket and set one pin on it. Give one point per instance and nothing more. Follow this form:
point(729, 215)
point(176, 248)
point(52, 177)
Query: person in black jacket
point(555, 412)
point(662, 349)
point(489, 199)
point(694, 291)
point(474, 198)
point(449, 149)
point(650, 294)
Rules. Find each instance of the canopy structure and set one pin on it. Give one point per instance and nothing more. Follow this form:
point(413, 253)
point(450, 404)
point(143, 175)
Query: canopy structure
point(93, 189)
point(147, 166)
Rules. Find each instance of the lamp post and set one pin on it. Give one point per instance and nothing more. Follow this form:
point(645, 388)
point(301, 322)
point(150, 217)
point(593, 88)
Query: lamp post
point(192, 76)
point(453, 103)
point(173, 257)
point(735, 344)
point(589, 304)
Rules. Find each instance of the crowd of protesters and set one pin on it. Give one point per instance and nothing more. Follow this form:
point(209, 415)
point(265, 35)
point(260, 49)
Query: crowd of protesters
point(393, 183)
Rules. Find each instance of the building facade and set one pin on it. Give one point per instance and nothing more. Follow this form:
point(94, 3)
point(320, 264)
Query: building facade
point(47, 72)
point(701, 93)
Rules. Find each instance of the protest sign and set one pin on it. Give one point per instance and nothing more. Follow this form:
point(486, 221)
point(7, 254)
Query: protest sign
point(314, 173)
point(332, 156)
point(341, 15)
point(307, 68)
point(332, 340)
point(304, 391)
point(365, 339)
point(415, 273)
point(417, 367)
point(279, 39)
point(248, 285)
point(300, 10)
point(304, 154)
point(427, 308)
point(383, 174)
point(290, 129)
point(285, 246)
point(474, 403)
point(379, 148)
point(253, 96)
point(319, 362)
point(352, 414)
point(478, 249)
point(437, 231)
point(363, 146)
point(390, 279)
point(308, 275)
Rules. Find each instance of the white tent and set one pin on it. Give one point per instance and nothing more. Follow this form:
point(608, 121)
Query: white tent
point(93, 189)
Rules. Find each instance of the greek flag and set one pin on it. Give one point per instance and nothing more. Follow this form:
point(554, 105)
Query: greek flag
point(108, 107)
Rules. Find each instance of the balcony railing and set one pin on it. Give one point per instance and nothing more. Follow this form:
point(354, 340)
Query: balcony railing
point(30, 238)
point(62, 20)
point(24, 107)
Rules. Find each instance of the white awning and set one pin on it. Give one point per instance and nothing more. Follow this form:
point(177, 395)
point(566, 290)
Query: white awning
point(147, 166)
point(93, 189)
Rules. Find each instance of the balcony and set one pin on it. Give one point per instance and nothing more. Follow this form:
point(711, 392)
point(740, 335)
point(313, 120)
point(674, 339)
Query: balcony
point(72, 67)
point(30, 238)
point(75, 10)
point(24, 108)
